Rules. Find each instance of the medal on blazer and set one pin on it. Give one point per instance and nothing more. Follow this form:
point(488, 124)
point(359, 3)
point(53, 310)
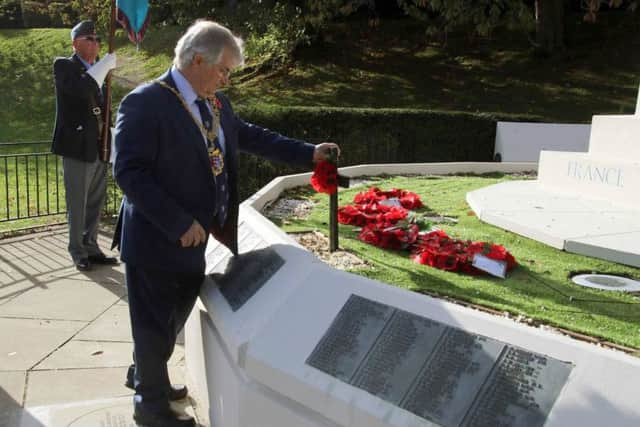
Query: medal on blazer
point(216, 160)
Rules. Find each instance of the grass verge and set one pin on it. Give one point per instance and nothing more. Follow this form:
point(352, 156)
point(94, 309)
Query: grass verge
point(538, 289)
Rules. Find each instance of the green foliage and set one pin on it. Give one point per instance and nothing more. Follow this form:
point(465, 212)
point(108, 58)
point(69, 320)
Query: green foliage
point(96, 10)
point(10, 14)
point(62, 14)
point(318, 13)
point(35, 14)
point(372, 136)
point(479, 16)
point(273, 40)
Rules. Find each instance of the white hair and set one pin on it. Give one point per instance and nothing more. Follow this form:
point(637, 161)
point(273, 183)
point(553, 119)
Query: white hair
point(208, 39)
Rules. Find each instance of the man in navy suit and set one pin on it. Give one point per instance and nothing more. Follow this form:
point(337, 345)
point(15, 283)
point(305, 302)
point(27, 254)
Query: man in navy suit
point(79, 117)
point(177, 143)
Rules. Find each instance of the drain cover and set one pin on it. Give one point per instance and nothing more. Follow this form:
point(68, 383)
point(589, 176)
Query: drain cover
point(607, 282)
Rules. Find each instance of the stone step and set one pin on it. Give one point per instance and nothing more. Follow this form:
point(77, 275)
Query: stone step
point(607, 178)
point(615, 136)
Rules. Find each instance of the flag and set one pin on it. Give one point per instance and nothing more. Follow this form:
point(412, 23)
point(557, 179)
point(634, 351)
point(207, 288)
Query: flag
point(133, 15)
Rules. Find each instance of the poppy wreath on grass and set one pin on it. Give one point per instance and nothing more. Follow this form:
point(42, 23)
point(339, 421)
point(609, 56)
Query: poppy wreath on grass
point(386, 225)
point(438, 250)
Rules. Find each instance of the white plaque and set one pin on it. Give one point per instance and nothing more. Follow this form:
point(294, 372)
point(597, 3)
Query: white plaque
point(394, 201)
point(494, 267)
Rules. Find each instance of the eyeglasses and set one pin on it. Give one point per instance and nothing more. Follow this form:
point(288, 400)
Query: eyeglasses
point(92, 38)
point(224, 71)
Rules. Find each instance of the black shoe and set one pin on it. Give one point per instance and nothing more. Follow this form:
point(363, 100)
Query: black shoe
point(176, 391)
point(103, 259)
point(82, 264)
point(166, 418)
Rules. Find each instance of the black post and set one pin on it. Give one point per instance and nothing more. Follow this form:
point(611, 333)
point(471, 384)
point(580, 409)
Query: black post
point(333, 212)
point(333, 222)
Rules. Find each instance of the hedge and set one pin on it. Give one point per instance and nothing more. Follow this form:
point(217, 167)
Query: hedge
point(375, 136)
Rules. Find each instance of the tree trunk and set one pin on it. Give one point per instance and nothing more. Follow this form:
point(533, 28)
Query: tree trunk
point(550, 25)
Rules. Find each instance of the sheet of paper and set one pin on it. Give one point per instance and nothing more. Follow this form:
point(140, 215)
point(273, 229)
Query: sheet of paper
point(494, 267)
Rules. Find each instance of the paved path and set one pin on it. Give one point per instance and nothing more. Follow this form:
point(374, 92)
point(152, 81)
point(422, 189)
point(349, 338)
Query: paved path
point(65, 338)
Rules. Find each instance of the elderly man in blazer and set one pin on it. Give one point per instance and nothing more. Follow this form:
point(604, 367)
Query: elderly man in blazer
point(177, 143)
point(79, 115)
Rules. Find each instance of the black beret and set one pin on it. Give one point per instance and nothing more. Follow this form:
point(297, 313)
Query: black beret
point(84, 28)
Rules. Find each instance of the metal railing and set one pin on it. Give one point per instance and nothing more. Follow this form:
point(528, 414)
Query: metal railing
point(31, 183)
point(32, 186)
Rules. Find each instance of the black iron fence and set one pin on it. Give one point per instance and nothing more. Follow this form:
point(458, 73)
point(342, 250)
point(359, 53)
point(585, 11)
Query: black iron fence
point(31, 182)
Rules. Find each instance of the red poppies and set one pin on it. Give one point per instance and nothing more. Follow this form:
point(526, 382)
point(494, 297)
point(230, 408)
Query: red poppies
point(382, 215)
point(325, 177)
point(438, 250)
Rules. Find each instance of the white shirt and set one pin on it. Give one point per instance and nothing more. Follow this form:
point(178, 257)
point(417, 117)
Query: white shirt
point(190, 97)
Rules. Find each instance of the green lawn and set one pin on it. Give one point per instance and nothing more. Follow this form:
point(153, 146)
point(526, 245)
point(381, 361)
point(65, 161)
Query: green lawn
point(394, 66)
point(538, 288)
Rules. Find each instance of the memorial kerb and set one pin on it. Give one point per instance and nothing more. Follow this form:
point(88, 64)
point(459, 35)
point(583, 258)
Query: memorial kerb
point(440, 373)
point(240, 277)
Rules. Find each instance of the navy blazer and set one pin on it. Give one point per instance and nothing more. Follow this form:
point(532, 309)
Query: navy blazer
point(162, 165)
point(76, 132)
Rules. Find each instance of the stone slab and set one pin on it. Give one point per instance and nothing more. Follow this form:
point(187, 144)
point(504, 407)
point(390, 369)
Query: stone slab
point(64, 299)
point(618, 247)
point(592, 395)
point(10, 289)
point(437, 372)
point(58, 386)
point(96, 354)
point(572, 222)
point(69, 385)
point(25, 342)
point(115, 412)
point(615, 137)
point(112, 325)
point(596, 177)
point(522, 142)
point(12, 385)
point(240, 277)
point(237, 326)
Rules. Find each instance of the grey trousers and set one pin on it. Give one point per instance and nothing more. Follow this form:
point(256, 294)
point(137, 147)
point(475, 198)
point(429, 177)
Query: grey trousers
point(85, 185)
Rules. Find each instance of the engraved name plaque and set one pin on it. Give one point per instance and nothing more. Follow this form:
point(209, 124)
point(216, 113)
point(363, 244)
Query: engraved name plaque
point(440, 373)
point(240, 277)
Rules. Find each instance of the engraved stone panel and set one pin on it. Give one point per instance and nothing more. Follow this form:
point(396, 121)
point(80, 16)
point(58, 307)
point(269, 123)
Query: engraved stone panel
point(520, 391)
point(349, 338)
point(246, 273)
point(400, 352)
point(452, 377)
point(440, 373)
point(240, 277)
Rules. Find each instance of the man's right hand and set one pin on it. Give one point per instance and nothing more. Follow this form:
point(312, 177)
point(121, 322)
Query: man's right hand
point(194, 236)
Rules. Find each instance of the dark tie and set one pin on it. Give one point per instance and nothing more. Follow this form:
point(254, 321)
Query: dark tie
point(222, 185)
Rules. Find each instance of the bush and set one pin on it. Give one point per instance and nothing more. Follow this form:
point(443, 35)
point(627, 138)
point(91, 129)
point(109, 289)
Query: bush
point(10, 14)
point(35, 14)
point(373, 136)
point(62, 14)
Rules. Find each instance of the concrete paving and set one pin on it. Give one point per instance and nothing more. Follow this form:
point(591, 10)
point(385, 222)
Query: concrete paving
point(574, 223)
point(65, 338)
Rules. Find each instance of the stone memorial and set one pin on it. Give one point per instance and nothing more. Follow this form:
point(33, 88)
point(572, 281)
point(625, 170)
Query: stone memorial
point(584, 203)
point(295, 342)
point(523, 142)
point(437, 372)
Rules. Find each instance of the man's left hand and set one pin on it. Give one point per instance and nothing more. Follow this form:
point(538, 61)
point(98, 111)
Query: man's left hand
point(323, 151)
